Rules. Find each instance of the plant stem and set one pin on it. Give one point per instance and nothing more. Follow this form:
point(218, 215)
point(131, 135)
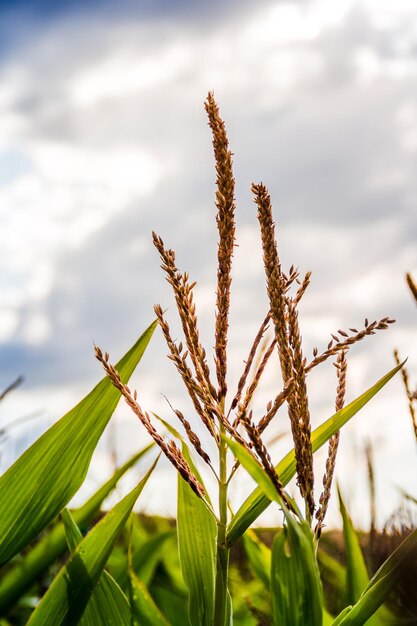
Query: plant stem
point(220, 611)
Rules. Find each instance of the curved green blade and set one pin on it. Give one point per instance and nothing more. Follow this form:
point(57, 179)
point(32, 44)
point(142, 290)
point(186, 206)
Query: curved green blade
point(357, 573)
point(257, 502)
point(41, 482)
point(381, 584)
point(197, 531)
point(70, 591)
point(144, 609)
point(107, 604)
point(297, 595)
point(20, 577)
point(259, 556)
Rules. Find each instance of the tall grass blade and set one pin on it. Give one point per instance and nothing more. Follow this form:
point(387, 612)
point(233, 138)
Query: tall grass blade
point(382, 583)
point(357, 573)
point(335, 576)
point(259, 556)
point(145, 559)
point(145, 611)
point(34, 564)
point(197, 531)
point(107, 603)
point(327, 618)
point(41, 482)
point(257, 502)
point(297, 595)
point(70, 591)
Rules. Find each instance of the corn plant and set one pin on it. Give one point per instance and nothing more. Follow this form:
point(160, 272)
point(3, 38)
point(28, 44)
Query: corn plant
point(206, 529)
point(38, 486)
point(410, 393)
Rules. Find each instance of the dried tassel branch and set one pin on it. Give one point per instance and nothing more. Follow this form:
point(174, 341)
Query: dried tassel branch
point(292, 277)
point(410, 395)
point(286, 326)
point(275, 282)
point(274, 406)
point(302, 289)
point(196, 393)
point(193, 438)
point(293, 274)
point(264, 457)
point(341, 366)
point(300, 414)
point(225, 203)
point(334, 348)
point(170, 450)
point(249, 361)
point(16, 383)
point(412, 286)
point(243, 407)
point(183, 292)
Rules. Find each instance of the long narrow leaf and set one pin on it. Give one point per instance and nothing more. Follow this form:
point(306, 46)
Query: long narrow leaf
point(144, 609)
point(254, 469)
point(257, 502)
point(259, 556)
point(327, 618)
point(197, 531)
point(41, 482)
point(382, 583)
point(357, 573)
point(107, 603)
point(69, 593)
point(297, 595)
point(145, 559)
point(335, 576)
point(22, 576)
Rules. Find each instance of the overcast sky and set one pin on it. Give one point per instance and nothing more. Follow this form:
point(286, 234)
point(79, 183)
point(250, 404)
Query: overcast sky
point(103, 138)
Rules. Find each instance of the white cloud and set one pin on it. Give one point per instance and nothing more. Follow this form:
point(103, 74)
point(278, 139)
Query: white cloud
point(126, 72)
point(112, 141)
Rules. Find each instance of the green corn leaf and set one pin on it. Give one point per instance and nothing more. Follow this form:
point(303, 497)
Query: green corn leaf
point(297, 595)
point(34, 564)
point(259, 556)
point(185, 449)
point(41, 482)
point(339, 619)
point(357, 573)
point(107, 604)
point(254, 469)
point(145, 559)
point(257, 502)
point(172, 603)
point(144, 609)
point(327, 618)
point(197, 531)
point(70, 591)
point(381, 584)
point(73, 534)
point(334, 574)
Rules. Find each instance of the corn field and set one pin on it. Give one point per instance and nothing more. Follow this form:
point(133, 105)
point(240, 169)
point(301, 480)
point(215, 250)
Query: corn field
point(210, 566)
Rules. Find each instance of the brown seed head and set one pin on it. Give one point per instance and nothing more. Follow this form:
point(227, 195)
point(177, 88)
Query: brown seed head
point(225, 203)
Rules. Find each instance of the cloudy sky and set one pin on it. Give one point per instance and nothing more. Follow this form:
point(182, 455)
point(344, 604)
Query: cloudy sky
point(103, 138)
